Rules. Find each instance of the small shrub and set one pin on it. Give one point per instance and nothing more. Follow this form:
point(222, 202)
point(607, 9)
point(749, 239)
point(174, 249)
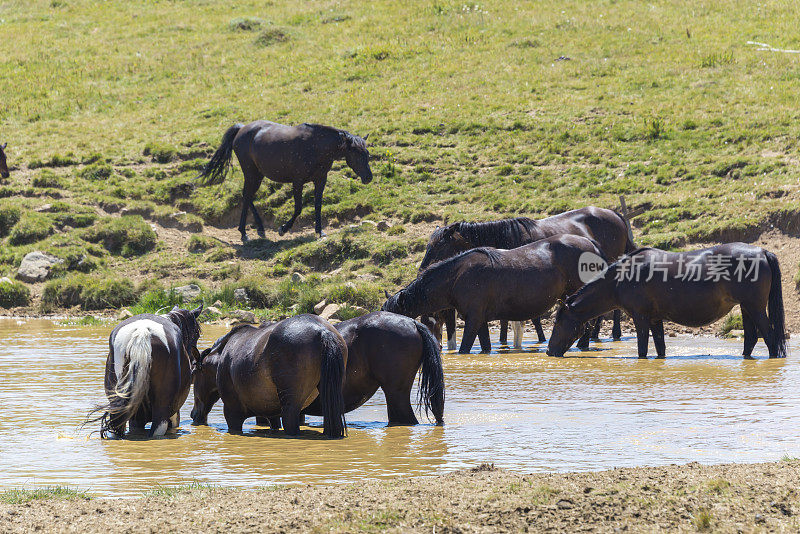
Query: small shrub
point(47, 178)
point(732, 322)
point(14, 294)
point(128, 235)
point(156, 301)
point(89, 292)
point(95, 172)
point(366, 295)
point(73, 215)
point(246, 24)
point(702, 520)
point(160, 153)
point(271, 36)
point(9, 216)
point(32, 227)
point(396, 230)
point(655, 128)
point(200, 243)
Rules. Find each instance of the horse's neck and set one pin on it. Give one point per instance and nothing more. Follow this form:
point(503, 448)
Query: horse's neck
point(433, 295)
point(595, 301)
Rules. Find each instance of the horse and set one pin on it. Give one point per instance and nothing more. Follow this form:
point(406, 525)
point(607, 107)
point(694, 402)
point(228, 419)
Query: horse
point(485, 284)
point(3, 164)
point(689, 288)
point(285, 154)
point(148, 372)
point(275, 371)
point(385, 350)
point(605, 227)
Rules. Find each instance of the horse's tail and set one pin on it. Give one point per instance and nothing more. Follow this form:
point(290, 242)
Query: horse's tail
point(431, 378)
point(133, 381)
point(330, 386)
point(775, 307)
point(630, 246)
point(217, 167)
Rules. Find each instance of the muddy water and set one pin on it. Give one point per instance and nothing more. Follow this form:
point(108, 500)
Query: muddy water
point(520, 410)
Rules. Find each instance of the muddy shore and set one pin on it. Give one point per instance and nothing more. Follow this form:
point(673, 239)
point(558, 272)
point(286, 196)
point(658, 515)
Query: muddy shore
point(689, 498)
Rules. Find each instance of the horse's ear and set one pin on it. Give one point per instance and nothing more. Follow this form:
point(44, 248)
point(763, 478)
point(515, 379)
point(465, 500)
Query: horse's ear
point(387, 294)
point(342, 141)
point(174, 308)
point(197, 311)
point(365, 137)
point(4, 146)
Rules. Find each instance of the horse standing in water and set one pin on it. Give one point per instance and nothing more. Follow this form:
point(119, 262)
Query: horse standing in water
point(3, 164)
point(485, 284)
point(286, 154)
point(689, 288)
point(605, 227)
point(274, 372)
point(148, 371)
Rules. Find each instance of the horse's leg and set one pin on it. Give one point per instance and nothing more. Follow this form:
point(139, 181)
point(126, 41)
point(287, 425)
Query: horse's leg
point(537, 324)
point(503, 332)
point(657, 329)
point(262, 421)
point(398, 406)
point(596, 330)
point(275, 423)
point(297, 192)
point(642, 334)
point(517, 326)
point(252, 181)
point(450, 324)
point(762, 324)
point(290, 417)
point(750, 335)
point(161, 419)
point(616, 329)
point(174, 422)
point(583, 342)
point(139, 419)
point(234, 417)
point(259, 222)
point(468, 338)
point(484, 339)
point(319, 188)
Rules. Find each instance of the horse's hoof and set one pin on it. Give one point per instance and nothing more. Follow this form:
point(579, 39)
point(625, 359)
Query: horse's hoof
point(245, 239)
point(262, 234)
point(281, 231)
point(322, 235)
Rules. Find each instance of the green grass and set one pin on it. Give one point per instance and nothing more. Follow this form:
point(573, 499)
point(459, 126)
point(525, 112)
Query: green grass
point(702, 520)
point(470, 116)
point(14, 294)
point(732, 322)
point(21, 496)
point(169, 492)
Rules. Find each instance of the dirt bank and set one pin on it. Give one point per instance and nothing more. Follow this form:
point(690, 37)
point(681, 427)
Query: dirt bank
point(690, 498)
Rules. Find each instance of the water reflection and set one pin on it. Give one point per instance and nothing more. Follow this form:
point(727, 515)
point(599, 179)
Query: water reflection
point(520, 409)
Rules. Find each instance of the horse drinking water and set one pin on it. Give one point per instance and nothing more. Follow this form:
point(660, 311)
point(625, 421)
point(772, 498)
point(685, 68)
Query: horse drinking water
point(286, 154)
point(148, 372)
point(689, 288)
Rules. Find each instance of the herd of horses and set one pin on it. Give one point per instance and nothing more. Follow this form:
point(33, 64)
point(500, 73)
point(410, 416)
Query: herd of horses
point(511, 270)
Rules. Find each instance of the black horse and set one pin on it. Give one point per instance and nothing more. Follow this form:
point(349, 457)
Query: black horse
point(485, 284)
point(148, 372)
point(605, 227)
point(3, 164)
point(386, 350)
point(286, 154)
point(689, 288)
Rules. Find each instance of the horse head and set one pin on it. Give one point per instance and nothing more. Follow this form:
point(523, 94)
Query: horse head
point(566, 330)
point(356, 155)
point(394, 303)
point(3, 165)
point(445, 242)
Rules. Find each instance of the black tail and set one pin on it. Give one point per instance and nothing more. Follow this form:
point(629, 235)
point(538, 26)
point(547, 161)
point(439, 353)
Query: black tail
point(777, 324)
point(431, 379)
point(217, 167)
point(629, 244)
point(330, 386)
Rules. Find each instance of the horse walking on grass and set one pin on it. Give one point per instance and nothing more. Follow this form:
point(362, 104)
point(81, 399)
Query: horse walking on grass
point(486, 284)
point(148, 372)
point(286, 154)
point(3, 164)
point(689, 288)
point(605, 227)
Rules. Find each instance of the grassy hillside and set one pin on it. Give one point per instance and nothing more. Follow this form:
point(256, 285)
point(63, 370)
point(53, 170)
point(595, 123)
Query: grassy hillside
point(474, 111)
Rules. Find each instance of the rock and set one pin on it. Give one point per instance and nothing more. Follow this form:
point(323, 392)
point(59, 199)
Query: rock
point(44, 208)
point(367, 277)
point(383, 226)
point(124, 314)
point(367, 221)
point(736, 333)
point(359, 310)
point(329, 311)
point(564, 504)
point(240, 295)
point(210, 312)
point(6, 280)
point(298, 277)
point(293, 309)
point(335, 271)
point(217, 304)
point(187, 293)
point(243, 316)
point(36, 266)
point(319, 306)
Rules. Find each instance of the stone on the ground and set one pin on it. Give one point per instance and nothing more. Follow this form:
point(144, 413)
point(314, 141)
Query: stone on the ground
point(36, 266)
point(320, 306)
point(124, 314)
point(217, 304)
point(240, 295)
point(298, 277)
point(210, 312)
point(187, 293)
point(367, 277)
point(6, 280)
point(330, 310)
point(243, 316)
point(383, 226)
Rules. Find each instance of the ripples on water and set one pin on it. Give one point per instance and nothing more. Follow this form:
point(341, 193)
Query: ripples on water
point(521, 410)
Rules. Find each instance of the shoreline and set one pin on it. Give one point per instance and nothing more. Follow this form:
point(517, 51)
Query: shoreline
point(683, 498)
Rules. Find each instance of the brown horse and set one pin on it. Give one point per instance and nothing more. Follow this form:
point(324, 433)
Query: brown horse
point(486, 284)
point(274, 371)
point(689, 288)
point(3, 164)
point(148, 372)
point(605, 227)
point(286, 154)
point(385, 350)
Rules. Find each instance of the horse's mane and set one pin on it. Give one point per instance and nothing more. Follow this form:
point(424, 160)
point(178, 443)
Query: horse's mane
point(187, 324)
point(505, 233)
point(354, 140)
point(424, 277)
point(612, 269)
